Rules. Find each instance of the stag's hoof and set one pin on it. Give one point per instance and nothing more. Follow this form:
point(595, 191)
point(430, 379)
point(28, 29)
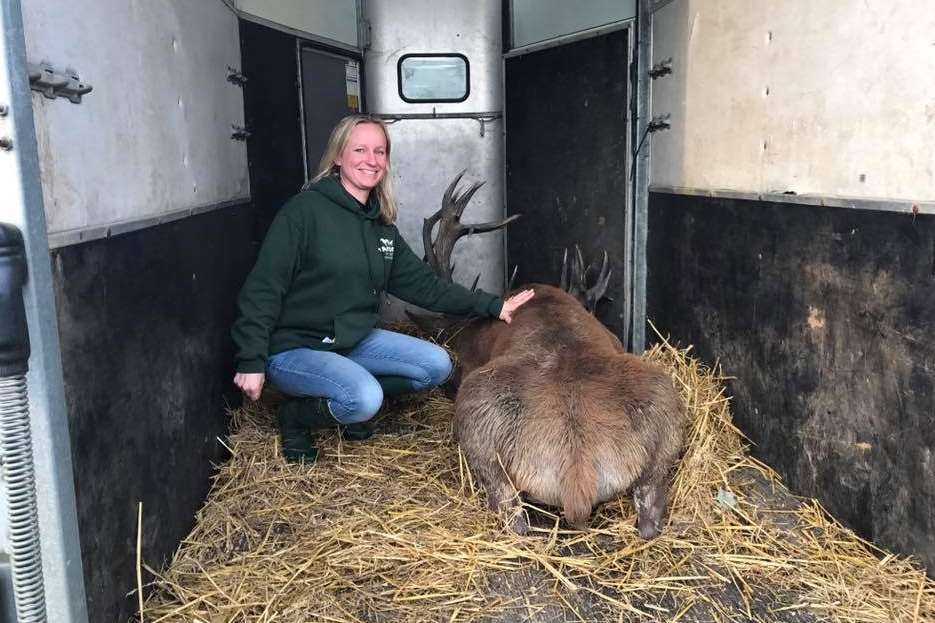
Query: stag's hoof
point(519, 523)
point(648, 529)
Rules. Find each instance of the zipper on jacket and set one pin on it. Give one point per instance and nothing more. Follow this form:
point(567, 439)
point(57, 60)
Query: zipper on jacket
point(363, 239)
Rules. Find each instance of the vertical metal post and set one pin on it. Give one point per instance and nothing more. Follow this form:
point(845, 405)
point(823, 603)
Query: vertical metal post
point(506, 41)
point(22, 206)
point(644, 23)
point(628, 204)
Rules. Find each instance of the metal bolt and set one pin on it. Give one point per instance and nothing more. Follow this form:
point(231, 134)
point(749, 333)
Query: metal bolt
point(6, 143)
point(4, 109)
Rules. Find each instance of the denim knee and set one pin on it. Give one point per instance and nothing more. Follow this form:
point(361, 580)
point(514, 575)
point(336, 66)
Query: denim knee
point(364, 402)
point(437, 366)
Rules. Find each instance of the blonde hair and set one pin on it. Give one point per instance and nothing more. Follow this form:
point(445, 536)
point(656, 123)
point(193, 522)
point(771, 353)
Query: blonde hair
point(336, 144)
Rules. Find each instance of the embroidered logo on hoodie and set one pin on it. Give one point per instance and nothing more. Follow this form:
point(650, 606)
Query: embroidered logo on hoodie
point(386, 248)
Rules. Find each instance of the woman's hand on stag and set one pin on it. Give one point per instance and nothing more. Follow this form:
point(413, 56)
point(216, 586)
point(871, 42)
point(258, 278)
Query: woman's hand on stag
point(513, 303)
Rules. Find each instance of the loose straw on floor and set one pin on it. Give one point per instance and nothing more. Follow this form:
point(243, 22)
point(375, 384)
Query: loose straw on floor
point(393, 529)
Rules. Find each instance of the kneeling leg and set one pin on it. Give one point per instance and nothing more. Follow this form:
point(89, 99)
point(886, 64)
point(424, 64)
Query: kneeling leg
point(650, 501)
point(502, 497)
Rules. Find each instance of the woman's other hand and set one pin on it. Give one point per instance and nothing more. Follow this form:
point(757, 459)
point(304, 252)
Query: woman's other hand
point(250, 383)
point(513, 303)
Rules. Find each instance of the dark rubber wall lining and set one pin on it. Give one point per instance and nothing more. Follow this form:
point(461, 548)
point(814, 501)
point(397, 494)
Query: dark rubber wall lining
point(566, 159)
point(144, 321)
point(271, 111)
point(824, 316)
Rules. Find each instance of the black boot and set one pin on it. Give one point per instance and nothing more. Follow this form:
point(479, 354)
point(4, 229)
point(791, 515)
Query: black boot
point(392, 386)
point(395, 385)
point(298, 418)
point(360, 431)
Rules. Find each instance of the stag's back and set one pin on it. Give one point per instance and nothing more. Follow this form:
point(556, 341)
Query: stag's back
point(552, 324)
point(573, 418)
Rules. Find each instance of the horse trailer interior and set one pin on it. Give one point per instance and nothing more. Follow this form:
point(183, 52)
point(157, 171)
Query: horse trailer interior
point(760, 176)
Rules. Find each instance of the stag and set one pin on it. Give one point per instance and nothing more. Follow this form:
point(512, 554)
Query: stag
point(552, 406)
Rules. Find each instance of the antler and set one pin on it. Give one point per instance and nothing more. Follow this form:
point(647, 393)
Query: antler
point(450, 227)
point(574, 279)
point(512, 282)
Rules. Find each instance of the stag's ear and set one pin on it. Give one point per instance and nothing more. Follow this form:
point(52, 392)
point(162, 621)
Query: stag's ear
point(433, 324)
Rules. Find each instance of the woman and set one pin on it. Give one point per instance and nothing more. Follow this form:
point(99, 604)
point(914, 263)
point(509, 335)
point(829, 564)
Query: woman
point(309, 307)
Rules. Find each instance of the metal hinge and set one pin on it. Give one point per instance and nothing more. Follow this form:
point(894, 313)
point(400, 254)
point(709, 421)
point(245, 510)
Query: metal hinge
point(234, 76)
point(661, 68)
point(659, 122)
point(6, 143)
point(240, 133)
point(43, 77)
point(363, 34)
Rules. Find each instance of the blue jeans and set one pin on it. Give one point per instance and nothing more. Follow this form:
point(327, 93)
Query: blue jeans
point(346, 378)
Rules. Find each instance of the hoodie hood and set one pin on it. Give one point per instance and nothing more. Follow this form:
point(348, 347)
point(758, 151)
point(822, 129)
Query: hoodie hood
point(332, 188)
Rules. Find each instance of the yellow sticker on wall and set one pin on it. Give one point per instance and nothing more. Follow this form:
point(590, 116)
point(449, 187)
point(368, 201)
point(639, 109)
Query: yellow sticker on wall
point(352, 84)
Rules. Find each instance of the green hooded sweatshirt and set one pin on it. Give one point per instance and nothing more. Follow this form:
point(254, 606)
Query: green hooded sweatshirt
point(320, 274)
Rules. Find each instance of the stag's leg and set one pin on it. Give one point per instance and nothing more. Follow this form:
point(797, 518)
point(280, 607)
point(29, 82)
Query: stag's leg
point(502, 497)
point(650, 501)
point(651, 492)
point(486, 422)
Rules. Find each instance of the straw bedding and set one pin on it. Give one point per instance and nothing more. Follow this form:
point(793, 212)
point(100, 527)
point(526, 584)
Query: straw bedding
point(394, 529)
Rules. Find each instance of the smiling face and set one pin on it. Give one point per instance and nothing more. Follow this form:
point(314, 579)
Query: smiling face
point(363, 160)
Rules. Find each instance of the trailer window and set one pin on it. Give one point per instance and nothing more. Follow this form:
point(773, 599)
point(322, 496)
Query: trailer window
point(434, 77)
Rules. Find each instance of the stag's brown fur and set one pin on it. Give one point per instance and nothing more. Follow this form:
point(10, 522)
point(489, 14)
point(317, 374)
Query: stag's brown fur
point(552, 405)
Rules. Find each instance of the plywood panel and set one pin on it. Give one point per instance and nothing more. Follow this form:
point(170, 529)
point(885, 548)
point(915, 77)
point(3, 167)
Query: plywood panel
point(832, 98)
point(154, 135)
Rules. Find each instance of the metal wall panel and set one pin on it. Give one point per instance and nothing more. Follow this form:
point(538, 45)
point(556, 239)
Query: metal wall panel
point(821, 98)
point(154, 136)
point(535, 21)
point(326, 19)
point(407, 26)
point(428, 153)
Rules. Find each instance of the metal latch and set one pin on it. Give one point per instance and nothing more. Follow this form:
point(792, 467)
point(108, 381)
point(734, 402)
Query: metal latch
point(43, 77)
